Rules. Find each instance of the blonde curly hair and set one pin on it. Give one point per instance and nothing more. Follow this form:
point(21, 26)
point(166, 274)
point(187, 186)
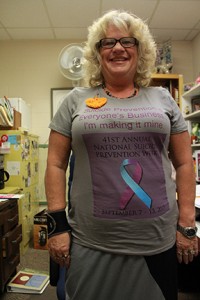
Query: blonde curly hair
point(137, 28)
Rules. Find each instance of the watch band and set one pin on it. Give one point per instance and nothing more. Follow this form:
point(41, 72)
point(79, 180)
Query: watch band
point(189, 232)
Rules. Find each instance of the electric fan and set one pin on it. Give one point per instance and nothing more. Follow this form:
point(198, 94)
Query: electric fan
point(71, 62)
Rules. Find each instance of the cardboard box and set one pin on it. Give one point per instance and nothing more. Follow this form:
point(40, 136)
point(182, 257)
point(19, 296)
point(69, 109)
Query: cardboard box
point(40, 237)
point(17, 122)
point(25, 109)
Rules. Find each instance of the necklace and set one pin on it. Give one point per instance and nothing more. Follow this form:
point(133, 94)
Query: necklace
point(135, 92)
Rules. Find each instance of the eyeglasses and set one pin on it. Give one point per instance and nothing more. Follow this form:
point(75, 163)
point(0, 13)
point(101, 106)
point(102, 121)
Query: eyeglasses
point(125, 42)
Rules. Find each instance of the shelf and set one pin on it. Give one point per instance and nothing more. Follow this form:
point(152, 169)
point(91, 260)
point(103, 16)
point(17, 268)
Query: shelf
point(192, 116)
point(195, 145)
point(194, 91)
point(165, 76)
point(187, 103)
point(172, 82)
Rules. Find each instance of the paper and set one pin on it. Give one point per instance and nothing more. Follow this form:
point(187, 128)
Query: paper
point(197, 202)
point(198, 226)
point(13, 168)
point(198, 190)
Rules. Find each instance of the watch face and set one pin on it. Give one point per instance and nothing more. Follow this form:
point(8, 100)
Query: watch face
point(191, 232)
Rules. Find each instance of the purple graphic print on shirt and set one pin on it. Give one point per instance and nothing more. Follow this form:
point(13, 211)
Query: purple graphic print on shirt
point(128, 166)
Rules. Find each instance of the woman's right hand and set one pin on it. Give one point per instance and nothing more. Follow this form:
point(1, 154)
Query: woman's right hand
point(59, 248)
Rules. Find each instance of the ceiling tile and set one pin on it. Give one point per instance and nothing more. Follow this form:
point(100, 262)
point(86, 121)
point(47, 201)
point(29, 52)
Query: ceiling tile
point(163, 35)
point(192, 34)
point(141, 8)
point(71, 33)
point(23, 33)
point(74, 13)
point(70, 18)
point(176, 14)
point(4, 35)
point(23, 13)
point(198, 25)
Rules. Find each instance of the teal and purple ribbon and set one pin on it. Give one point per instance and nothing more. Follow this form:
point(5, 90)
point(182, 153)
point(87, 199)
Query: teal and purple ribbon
point(133, 182)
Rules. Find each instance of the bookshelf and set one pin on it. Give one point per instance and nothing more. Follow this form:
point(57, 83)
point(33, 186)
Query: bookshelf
point(172, 82)
point(192, 117)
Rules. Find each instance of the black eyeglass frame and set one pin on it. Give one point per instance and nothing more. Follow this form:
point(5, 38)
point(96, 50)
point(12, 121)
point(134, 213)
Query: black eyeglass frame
point(135, 42)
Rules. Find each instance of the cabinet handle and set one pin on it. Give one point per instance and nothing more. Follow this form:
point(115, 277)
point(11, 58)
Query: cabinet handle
point(18, 240)
point(14, 261)
point(12, 219)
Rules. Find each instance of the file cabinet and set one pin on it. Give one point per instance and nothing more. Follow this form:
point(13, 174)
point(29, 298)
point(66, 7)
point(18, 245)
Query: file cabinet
point(22, 163)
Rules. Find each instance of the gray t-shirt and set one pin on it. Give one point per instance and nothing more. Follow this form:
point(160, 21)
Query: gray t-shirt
point(123, 199)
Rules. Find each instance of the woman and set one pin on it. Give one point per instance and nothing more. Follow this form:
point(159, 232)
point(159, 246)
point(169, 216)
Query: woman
point(122, 240)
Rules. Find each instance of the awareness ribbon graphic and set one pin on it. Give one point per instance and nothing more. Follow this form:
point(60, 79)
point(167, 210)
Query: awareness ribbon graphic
point(133, 184)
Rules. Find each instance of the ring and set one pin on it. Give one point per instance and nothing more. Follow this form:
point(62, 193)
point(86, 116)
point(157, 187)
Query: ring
point(191, 251)
point(179, 253)
point(185, 253)
point(65, 256)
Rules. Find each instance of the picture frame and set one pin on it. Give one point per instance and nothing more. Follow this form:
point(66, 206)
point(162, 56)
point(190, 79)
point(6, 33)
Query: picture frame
point(57, 97)
point(195, 103)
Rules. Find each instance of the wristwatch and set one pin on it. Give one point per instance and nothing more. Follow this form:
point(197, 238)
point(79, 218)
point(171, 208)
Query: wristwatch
point(189, 232)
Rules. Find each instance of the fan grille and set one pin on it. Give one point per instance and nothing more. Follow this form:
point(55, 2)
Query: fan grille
point(71, 61)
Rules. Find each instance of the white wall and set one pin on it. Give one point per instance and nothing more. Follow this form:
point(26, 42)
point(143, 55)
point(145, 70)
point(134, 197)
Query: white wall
point(196, 55)
point(183, 60)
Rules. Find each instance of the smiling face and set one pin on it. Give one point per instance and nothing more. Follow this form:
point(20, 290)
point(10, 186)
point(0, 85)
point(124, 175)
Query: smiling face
point(118, 62)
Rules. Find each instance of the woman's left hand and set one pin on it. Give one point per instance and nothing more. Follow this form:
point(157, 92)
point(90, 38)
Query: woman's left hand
point(59, 248)
point(186, 248)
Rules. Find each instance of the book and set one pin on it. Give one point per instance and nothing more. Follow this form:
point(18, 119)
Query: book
point(11, 196)
point(26, 282)
point(198, 227)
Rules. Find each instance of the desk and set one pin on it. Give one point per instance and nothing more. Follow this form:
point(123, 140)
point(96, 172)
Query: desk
point(25, 215)
point(10, 238)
